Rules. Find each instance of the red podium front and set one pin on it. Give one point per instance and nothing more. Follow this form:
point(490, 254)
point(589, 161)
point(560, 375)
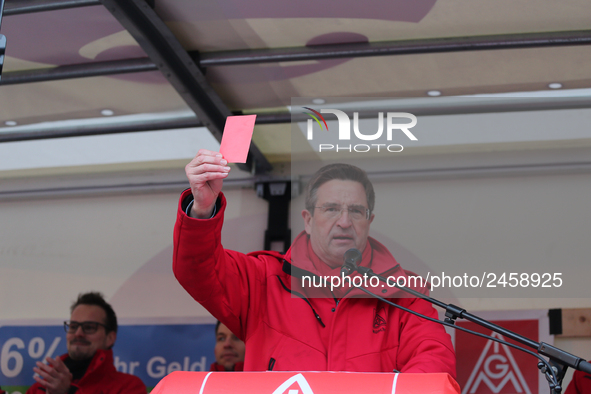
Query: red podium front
point(305, 383)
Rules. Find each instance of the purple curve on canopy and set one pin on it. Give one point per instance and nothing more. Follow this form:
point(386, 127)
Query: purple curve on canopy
point(393, 10)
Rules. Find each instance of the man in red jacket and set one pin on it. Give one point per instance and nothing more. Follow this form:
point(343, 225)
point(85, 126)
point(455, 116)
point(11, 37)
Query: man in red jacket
point(263, 297)
point(88, 367)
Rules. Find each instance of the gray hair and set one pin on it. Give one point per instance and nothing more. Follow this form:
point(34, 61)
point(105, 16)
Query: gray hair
point(345, 172)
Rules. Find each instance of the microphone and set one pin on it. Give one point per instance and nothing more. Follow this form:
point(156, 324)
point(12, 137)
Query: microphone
point(351, 257)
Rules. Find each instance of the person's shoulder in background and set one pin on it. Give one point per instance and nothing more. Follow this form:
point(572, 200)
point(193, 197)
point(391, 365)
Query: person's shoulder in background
point(580, 384)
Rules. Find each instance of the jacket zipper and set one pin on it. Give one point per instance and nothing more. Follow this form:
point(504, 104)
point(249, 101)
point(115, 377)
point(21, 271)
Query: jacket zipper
point(303, 298)
point(336, 302)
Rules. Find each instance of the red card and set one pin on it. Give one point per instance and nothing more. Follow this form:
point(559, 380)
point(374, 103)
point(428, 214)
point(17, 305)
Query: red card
point(236, 138)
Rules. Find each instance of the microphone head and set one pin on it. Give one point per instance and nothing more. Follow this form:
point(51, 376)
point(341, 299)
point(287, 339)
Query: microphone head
point(352, 256)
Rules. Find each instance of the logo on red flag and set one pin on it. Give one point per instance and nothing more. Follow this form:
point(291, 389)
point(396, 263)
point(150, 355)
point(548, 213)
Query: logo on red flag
point(485, 366)
point(496, 368)
point(297, 384)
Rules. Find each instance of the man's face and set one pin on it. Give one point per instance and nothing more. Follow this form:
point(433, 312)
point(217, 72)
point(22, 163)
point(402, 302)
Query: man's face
point(82, 346)
point(228, 349)
point(331, 236)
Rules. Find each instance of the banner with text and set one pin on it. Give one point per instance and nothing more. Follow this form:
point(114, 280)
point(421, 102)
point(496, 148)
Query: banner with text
point(147, 351)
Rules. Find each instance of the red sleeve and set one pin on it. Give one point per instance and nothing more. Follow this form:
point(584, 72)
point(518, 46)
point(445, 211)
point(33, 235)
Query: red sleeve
point(573, 387)
point(425, 347)
point(223, 281)
point(34, 389)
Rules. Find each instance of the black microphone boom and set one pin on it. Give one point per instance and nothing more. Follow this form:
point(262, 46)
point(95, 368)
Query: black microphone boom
point(554, 373)
point(351, 257)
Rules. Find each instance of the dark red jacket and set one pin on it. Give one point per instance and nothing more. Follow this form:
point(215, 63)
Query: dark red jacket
point(285, 327)
point(580, 384)
point(238, 367)
point(101, 377)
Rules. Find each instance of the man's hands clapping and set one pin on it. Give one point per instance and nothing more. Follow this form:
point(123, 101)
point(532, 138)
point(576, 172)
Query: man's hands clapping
point(55, 376)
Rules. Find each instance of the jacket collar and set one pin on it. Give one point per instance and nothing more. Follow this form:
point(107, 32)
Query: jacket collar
point(300, 260)
point(100, 359)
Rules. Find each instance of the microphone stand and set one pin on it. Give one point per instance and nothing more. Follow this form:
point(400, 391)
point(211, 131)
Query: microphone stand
point(559, 359)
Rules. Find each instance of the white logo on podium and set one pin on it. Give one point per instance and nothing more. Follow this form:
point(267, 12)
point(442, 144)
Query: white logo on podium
point(304, 387)
point(506, 370)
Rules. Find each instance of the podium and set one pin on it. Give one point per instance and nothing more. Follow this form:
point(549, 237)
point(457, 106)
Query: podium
point(181, 382)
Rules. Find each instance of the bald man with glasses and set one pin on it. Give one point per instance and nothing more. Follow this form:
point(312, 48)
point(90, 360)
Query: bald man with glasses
point(262, 297)
point(88, 367)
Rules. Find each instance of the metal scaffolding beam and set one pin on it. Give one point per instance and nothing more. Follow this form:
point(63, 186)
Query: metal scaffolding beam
point(84, 70)
point(160, 44)
point(184, 69)
point(418, 107)
point(17, 7)
point(391, 48)
point(84, 131)
point(320, 52)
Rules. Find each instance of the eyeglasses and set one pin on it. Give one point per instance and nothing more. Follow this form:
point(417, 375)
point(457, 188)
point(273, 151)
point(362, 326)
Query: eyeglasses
point(334, 211)
point(88, 327)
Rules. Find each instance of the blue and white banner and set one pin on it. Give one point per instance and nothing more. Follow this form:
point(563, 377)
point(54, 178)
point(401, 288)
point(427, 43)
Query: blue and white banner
point(147, 351)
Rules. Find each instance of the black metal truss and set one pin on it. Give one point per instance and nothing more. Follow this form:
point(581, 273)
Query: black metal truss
point(16, 7)
point(84, 70)
point(390, 48)
point(319, 52)
point(83, 131)
point(183, 69)
point(160, 44)
point(165, 53)
point(134, 127)
point(424, 107)
point(278, 194)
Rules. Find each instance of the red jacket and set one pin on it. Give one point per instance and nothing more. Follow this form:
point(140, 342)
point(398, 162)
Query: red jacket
point(218, 367)
point(285, 327)
point(580, 384)
point(101, 377)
